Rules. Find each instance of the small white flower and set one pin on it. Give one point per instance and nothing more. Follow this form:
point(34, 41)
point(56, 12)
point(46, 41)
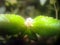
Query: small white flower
point(29, 22)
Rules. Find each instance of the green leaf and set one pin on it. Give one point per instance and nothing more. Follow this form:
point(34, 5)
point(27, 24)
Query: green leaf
point(11, 24)
point(46, 26)
point(52, 1)
point(12, 2)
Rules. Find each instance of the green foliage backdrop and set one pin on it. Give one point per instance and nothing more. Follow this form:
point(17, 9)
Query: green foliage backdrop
point(31, 8)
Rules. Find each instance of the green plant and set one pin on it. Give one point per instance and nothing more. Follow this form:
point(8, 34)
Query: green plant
point(29, 29)
point(11, 24)
point(46, 26)
point(43, 25)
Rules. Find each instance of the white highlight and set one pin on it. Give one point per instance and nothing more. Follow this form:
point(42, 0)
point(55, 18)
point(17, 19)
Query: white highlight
point(29, 22)
point(42, 2)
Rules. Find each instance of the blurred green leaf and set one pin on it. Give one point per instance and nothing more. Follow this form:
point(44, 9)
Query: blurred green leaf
point(52, 1)
point(12, 2)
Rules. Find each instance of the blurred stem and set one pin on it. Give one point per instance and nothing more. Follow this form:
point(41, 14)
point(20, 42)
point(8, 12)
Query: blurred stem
point(56, 11)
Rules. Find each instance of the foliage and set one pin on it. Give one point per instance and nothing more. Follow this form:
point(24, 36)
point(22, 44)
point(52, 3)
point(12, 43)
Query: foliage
point(11, 24)
point(29, 8)
point(46, 26)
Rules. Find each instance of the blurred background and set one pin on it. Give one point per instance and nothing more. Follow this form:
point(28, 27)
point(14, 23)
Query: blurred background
point(31, 8)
